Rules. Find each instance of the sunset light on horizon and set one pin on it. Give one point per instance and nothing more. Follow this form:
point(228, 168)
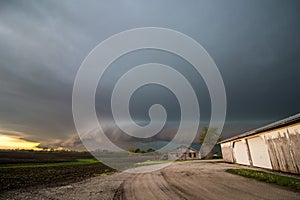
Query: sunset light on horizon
point(12, 142)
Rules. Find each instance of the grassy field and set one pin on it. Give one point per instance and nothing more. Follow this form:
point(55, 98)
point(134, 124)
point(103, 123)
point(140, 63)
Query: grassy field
point(268, 178)
point(47, 169)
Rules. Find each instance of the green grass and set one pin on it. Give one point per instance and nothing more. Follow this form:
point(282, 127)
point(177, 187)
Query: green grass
point(268, 178)
point(77, 162)
point(151, 162)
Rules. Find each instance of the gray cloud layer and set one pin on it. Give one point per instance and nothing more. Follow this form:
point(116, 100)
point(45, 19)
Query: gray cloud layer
point(255, 44)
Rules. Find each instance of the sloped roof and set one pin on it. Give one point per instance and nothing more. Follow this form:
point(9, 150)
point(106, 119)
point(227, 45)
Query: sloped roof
point(286, 121)
point(184, 147)
point(196, 147)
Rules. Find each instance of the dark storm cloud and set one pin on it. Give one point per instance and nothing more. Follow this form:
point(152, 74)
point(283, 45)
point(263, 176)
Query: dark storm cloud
point(255, 44)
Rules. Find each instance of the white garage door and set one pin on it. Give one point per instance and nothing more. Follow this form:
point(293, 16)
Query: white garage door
point(259, 153)
point(240, 153)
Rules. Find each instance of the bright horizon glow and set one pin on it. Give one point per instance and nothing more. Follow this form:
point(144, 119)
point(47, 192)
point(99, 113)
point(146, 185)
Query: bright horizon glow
point(11, 142)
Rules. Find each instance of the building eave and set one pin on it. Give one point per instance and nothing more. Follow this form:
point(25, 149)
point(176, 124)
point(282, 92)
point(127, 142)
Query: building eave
point(284, 122)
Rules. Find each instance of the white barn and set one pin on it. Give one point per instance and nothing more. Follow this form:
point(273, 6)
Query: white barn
point(275, 146)
point(183, 153)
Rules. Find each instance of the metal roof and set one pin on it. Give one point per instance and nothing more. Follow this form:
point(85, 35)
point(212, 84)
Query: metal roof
point(289, 120)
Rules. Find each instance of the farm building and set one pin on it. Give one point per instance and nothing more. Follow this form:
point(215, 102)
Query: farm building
point(275, 146)
point(184, 153)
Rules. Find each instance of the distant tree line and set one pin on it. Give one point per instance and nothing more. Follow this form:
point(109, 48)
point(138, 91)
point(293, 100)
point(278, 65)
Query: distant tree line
point(138, 150)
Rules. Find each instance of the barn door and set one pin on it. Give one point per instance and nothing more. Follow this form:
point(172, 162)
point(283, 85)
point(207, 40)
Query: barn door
point(241, 153)
point(259, 152)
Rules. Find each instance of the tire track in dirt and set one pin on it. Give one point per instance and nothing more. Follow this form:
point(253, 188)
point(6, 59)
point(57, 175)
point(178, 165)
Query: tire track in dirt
point(198, 180)
point(149, 186)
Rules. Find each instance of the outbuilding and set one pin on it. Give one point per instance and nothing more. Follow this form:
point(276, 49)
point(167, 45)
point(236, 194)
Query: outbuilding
point(184, 153)
point(275, 146)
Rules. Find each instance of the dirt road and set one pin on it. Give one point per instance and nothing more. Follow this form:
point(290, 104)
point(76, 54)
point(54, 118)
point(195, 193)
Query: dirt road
point(199, 180)
point(180, 180)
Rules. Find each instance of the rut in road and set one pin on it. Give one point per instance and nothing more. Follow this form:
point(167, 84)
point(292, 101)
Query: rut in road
point(148, 186)
point(206, 180)
point(198, 180)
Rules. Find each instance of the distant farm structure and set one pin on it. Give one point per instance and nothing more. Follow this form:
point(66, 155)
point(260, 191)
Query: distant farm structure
point(184, 153)
point(275, 146)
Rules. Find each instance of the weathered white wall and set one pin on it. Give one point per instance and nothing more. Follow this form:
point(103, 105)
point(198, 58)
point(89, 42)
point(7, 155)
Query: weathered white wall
point(259, 152)
point(277, 149)
point(182, 152)
point(227, 152)
point(241, 153)
point(284, 148)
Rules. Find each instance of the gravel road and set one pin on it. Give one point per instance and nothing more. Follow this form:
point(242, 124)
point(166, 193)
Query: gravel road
point(180, 180)
point(200, 180)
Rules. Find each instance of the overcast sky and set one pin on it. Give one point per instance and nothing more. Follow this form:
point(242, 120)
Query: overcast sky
point(254, 43)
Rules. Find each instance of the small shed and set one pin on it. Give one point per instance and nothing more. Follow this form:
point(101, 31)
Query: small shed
point(275, 146)
point(183, 153)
